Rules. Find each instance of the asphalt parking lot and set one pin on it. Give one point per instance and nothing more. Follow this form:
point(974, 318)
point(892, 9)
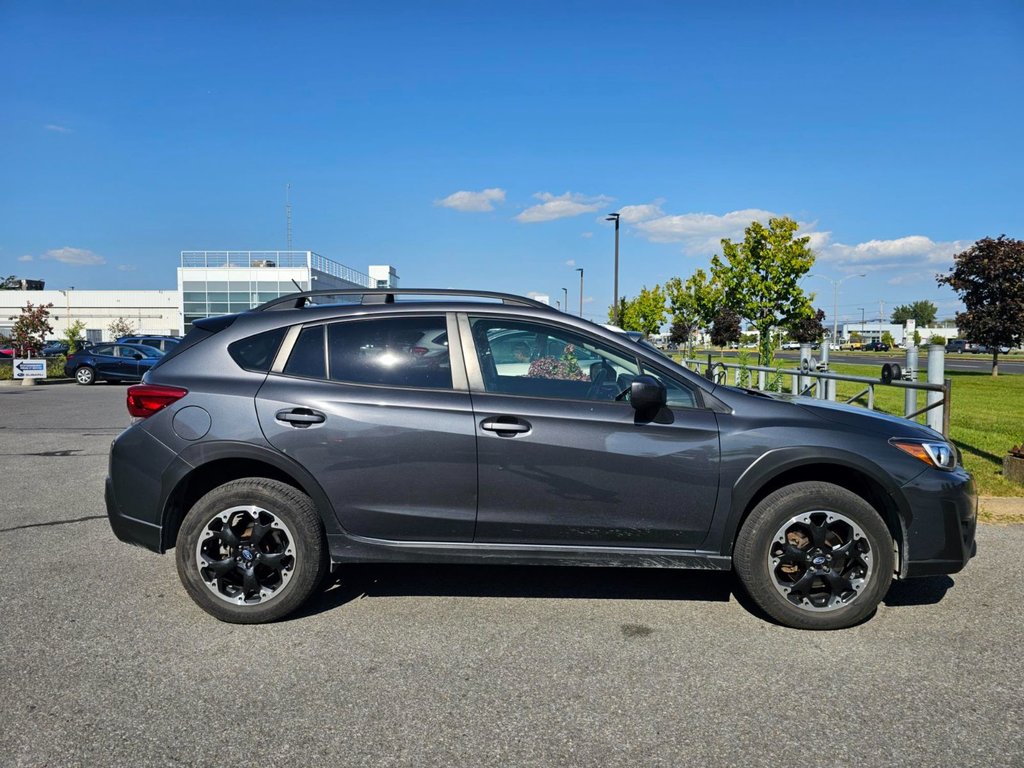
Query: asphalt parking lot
point(105, 661)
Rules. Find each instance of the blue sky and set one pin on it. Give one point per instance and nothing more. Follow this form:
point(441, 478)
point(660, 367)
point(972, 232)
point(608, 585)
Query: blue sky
point(479, 145)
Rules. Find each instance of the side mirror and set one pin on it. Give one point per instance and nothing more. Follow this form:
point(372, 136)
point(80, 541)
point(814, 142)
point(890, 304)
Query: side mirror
point(138, 355)
point(646, 393)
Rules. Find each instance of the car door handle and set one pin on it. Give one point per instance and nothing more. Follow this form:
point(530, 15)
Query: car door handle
point(505, 426)
point(301, 417)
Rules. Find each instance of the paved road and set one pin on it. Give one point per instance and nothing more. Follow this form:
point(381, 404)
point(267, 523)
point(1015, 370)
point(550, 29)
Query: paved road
point(104, 661)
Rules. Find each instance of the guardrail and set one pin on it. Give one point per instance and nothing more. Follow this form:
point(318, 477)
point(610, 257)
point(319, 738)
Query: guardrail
point(813, 379)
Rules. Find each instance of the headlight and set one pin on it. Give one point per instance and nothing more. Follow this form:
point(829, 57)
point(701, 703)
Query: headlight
point(935, 454)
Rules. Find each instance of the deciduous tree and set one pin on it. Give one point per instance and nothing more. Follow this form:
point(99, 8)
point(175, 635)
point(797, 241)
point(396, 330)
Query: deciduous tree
point(989, 278)
point(31, 328)
point(808, 328)
point(922, 312)
point(121, 327)
point(725, 328)
point(760, 277)
point(646, 312)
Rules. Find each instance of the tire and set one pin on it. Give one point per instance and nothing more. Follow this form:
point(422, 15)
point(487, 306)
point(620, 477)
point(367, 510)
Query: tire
point(85, 375)
point(251, 551)
point(815, 556)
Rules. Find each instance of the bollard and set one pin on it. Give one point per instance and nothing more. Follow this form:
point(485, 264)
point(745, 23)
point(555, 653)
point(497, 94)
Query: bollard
point(936, 375)
point(805, 356)
point(910, 372)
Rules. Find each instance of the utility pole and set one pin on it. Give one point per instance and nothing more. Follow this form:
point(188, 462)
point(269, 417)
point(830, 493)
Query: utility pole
point(580, 270)
point(565, 299)
point(835, 301)
point(288, 213)
point(615, 303)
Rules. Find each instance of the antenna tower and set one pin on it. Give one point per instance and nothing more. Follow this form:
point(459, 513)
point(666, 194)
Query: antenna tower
point(288, 212)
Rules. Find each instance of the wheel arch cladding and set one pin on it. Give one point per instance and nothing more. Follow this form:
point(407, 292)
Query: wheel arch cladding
point(234, 462)
point(854, 477)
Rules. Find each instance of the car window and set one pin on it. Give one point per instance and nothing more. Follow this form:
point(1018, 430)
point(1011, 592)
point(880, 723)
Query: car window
point(308, 355)
point(678, 395)
point(538, 360)
point(393, 351)
point(103, 349)
point(153, 342)
point(256, 353)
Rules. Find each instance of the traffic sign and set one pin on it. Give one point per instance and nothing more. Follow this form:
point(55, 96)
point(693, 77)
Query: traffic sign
point(31, 368)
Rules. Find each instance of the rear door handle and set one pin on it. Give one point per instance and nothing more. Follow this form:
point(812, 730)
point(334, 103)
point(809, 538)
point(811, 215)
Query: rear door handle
point(505, 426)
point(301, 417)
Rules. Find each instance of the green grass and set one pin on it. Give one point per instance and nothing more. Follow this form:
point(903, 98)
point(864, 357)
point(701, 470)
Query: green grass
point(986, 419)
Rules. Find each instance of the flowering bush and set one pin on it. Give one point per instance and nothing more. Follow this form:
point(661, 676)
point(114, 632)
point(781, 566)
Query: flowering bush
point(567, 368)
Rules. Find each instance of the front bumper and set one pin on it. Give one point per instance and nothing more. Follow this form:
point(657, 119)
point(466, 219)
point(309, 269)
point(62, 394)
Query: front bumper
point(943, 517)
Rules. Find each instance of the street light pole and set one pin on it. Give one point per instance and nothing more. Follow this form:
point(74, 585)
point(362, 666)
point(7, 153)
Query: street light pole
point(835, 300)
point(615, 304)
point(580, 270)
point(565, 299)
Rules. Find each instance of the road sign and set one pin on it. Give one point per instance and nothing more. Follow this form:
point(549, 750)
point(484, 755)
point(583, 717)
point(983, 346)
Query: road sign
point(32, 368)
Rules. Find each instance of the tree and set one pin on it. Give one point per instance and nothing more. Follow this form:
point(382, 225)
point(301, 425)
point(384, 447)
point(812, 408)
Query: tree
point(693, 304)
point(73, 335)
point(680, 332)
point(623, 306)
point(888, 339)
point(989, 278)
point(917, 338)
point(921, 312)
point(725, 328)
point(808, 328)
point(646, 312)
point(760, 278)
point(121, 327)
point(31, 328)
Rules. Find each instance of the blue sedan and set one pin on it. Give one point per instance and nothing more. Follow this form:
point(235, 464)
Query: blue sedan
point(111, 362)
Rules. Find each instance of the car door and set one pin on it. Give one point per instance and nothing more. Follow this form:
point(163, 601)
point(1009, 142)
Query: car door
point(128, 363)
point(387, 430)
point(562, 461)
point(106, 360)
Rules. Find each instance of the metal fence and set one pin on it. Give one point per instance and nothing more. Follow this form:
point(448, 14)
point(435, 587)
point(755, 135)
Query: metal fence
point(814, 379)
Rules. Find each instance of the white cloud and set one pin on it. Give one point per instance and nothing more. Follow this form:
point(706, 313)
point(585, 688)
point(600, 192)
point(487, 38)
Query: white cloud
point(633, 214)
point(701, 233)
point(77, 257)
point(473, 202)
point(561, 206)
point(570, 263)
point(125, 267)
point(586, 235)
point(26, 257)
point(902, 253)
point(57, 128)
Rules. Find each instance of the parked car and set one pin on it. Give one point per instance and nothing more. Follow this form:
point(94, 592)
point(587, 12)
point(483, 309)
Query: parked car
point(111, 362)
point(876, 346)
point(163, 343)
point(272, 445)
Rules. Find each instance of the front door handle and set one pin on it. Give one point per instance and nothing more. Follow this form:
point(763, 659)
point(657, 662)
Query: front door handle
point(505, 426)
point(301, 417)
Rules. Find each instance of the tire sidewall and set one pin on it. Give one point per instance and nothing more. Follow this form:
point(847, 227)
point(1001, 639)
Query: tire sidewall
point(294, 509)
point(86, 373)
point(758, 531)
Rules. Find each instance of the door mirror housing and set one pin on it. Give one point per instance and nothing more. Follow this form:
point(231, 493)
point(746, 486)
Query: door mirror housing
point(647, 393)
point(138, 355)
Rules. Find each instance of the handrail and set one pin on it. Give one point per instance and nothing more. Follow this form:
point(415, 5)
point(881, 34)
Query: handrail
point(387, 296)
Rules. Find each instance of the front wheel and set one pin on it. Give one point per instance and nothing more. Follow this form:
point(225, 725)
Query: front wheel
point(251, 551)
point(85, 375)
point(815, 556)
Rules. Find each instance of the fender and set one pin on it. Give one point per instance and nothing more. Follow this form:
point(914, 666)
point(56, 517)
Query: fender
point(199, 454)
point(777, 461)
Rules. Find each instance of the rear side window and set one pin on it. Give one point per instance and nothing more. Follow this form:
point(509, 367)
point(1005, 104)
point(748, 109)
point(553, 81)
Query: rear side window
point(393, 352)
point(307, 357)
point(256, 353)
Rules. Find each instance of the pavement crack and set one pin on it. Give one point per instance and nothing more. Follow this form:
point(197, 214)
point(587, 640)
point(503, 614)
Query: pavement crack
point(52, 522)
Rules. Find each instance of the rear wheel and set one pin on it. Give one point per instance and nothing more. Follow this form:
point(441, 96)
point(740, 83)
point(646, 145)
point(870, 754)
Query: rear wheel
point(815, 556)
point(85, 375)
point(251, 551)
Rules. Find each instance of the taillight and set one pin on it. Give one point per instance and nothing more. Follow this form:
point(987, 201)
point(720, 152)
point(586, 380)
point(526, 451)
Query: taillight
point(146, 399)
point(419, 351)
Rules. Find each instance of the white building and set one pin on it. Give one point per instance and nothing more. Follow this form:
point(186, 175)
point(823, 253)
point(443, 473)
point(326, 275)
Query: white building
point(209, 283)
point(900, 333)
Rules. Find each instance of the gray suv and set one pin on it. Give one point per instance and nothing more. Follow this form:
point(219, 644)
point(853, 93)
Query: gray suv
point(456, 427)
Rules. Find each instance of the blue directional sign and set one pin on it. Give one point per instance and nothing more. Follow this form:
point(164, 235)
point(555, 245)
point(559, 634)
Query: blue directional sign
point(29, 369)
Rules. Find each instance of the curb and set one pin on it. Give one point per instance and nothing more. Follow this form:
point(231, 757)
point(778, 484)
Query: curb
point(1001, 509)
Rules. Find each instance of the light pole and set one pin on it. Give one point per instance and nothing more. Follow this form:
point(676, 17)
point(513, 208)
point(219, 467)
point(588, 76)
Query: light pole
point(835, 300)
point(580, 270)
point(615, 303)
point(565, 300)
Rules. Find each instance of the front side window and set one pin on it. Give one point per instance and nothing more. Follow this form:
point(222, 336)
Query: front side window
point(392, 351)
point(536, 360)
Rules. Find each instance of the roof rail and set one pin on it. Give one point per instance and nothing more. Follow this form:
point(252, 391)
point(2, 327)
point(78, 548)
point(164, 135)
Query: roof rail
point(387, 296)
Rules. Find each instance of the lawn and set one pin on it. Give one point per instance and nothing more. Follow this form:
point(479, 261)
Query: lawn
point(987, 418)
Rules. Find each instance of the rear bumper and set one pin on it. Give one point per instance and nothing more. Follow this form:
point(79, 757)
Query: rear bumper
point(134, 491)
point(130, 529)
point(942, 522)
